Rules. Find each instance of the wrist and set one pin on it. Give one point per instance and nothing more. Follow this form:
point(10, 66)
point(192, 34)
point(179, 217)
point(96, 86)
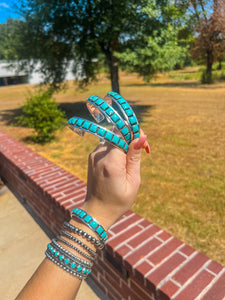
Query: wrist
point(101, 212)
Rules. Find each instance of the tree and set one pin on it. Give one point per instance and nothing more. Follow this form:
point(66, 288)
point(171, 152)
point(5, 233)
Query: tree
point(8, 38)
point(80, 30)
point(209, 44)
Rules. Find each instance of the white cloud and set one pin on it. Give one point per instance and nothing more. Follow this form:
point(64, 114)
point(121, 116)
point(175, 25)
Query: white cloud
point(2, 4)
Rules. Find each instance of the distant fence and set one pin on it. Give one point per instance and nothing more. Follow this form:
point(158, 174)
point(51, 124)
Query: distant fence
point(140, 261)
point(9, 80)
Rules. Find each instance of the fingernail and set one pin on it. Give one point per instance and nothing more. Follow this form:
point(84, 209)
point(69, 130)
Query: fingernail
point(147, 147)
point(139, 144)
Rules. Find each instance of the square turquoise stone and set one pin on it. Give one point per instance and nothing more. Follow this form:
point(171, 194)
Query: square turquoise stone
point(104, 105)
point(73, 265)
point(125, 130)
point(87, 218)
point(129, 112)
point(66, 261)
point(74, 210)
point(120, 124)
point(109, 111)
point(99, 101)
point(103, 235)
point(82, 214)
point(125, 105)
point(116, 96)
point(115, 117)
point(93, 224)
point(121, 100)
point(78, 211)
point(99, 230)
point(108, 136)
point(133, 120)
point(61, 257)
point(128, 137)
point(121, 143)
point(86, 125)
point(79, 268)
point(126, 147)
point(135, 128)
point(79, 122)
point(115, 139)
point(93, 128)
point(93, 98)
point(73, 120)
point(101, 131)
point(136, 135)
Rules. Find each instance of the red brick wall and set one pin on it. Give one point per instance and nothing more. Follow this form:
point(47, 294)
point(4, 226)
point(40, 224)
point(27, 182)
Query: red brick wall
point(140, 260)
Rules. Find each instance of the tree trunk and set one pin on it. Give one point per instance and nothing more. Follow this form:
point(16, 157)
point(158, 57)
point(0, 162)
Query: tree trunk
point(220, 65)
point(112, 62)
point(114, 73)
point(209, 67)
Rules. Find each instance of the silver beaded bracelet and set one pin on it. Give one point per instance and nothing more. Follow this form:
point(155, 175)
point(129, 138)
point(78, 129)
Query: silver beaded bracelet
point(90, 238)
point(70, 236)
point(75, 248)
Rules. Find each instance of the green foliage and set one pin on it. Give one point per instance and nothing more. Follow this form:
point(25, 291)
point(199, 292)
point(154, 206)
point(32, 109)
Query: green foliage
point(40, 112)
point(158, 53)
point(206, 77)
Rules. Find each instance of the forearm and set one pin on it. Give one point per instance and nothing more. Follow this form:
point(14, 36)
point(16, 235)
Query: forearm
point(52, 282)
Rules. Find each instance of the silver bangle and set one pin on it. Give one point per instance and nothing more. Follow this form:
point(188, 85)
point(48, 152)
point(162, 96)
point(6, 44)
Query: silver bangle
point(75, 248)
point(90, 238)
point(70, 236)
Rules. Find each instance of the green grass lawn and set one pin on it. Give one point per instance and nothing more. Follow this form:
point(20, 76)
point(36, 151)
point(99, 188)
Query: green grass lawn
point(183, 182)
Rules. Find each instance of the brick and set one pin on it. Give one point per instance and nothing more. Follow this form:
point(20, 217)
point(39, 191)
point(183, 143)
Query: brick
point(162, 253)
point(190, 268)
point(125, 223)
point(164, 236)
point(145, 223)
point(139, 289)
point(187, 250)
point(217, 291)
point(121, 252)
point(118, 239)
point(215, 267)
point(143, 236)
point(164, 270)
point(167, 290)
point(140, 253)
point(195, 287)
point(142, 269)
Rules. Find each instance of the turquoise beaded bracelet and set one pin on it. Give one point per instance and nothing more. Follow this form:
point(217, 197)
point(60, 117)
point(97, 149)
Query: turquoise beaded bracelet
point(101, 110)
point(81, 126)
point(90, 222)
point(126, 110)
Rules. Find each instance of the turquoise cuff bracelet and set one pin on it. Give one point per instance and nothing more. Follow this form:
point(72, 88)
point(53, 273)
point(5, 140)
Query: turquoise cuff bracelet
point(100, 110)
point(127, 112)
point(81, 126)
point(126, 121)
point(90, 222)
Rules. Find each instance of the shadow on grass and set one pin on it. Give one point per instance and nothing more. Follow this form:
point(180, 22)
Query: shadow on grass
point(79, 109)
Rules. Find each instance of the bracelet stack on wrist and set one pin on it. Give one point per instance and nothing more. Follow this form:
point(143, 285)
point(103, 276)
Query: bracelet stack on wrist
point(64, 258)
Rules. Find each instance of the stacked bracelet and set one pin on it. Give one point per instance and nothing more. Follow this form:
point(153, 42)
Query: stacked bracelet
point(75, 248)
point(79, 231)
point(90, 222)
point(78, 242)
point(68, 261)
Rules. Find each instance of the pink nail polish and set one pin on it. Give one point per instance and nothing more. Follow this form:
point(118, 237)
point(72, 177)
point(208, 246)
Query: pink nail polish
point(139, 144)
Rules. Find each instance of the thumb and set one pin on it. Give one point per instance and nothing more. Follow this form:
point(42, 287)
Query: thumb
point(134, 156)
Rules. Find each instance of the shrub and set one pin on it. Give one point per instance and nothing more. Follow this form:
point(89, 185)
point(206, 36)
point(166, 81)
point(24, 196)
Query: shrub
point(41, 112)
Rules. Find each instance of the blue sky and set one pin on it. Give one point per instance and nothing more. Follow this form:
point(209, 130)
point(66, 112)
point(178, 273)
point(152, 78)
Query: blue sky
point(7, 10)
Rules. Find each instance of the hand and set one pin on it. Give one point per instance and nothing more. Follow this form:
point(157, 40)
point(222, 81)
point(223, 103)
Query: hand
point(113, 180)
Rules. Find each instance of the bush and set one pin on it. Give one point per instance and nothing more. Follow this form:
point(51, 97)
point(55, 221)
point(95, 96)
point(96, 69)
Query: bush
point(41, 112)
point(206, 78)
